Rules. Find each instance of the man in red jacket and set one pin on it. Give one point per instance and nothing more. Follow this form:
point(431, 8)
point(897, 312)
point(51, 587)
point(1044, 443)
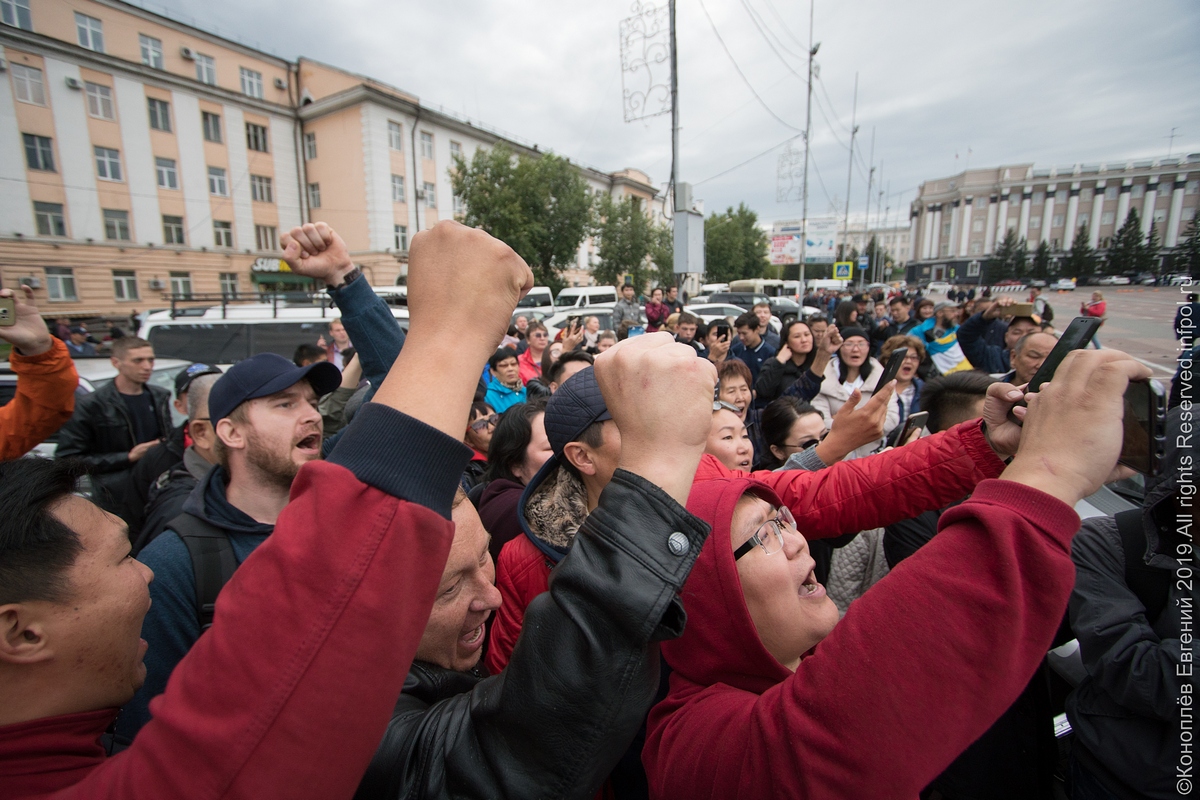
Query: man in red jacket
point(268, 682)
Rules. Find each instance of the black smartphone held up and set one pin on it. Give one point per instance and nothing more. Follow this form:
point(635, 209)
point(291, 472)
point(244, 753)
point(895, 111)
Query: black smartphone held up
point(1077, 336)
point(1144, 444)
point(8, 312)
point(914, 421)
point(893, 367)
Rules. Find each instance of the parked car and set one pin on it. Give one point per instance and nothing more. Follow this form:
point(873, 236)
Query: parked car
point(711, 312)
point(1113, 280)
point(1063, 285)
point(578, 296)
point(938, 286)
point(1180, 279)
point(1146, 279)
point(94, 374)
point(540, 298)
point(603, 313)
point(1041, 284)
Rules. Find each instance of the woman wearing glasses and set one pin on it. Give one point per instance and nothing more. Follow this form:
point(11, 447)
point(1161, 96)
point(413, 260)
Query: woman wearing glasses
point(853, 368)
point(478, 437)
point(908, 385)
point(772, 696)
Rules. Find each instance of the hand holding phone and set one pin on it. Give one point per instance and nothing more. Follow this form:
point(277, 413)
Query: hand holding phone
point(8, 312)
point(915, 422)
point(893, 366)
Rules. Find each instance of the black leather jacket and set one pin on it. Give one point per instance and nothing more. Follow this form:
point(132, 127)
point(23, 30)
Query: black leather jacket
point(581, 679)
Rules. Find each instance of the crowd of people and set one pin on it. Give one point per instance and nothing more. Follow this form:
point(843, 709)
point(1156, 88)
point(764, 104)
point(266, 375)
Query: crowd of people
point(659, 561)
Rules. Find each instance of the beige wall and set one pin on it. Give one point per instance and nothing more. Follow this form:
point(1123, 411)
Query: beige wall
point(338, 168)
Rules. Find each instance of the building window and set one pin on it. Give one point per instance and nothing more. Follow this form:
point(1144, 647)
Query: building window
point(99, 101)
point(1192, 187)
point(29, 86)
point(49, 217)
point(212, 126)
point(455, 149)
point(256, 137)
point(977, 226)
point(430, 196)
point(395, 135)
point(261, 190)
point(181, 284)
point(229, 284)
point(1084, 219)
point(160, 114)
point(310, 145)
point(173, 230)
point(1057, 222)
point(459, 206)
point(1106, 218)
point(427, 145)
point(266, 238)
point(116, 225)
point(60, 284)
point(39, 152)
point(223, 233)
point(314, 195)
point(1038, 198)
point(401, 237)
point(1137, 191)
point(1060, 196)
point(398, 189)
point(1085, 195)
point(976, 248)
point(973, 268)
point(90, 32)
point(16, 13)
point(108, 163)
point(216, 182)
point(152, 54)
point(206, 69)
point(1160, 215)
point(252, 85)
point(168, 178)
point(125, 284)
point(1035, 222)
point(1110, 193)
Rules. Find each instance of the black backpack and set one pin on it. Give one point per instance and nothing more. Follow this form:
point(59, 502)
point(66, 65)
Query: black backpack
point(1047, 313)
point(213, 561)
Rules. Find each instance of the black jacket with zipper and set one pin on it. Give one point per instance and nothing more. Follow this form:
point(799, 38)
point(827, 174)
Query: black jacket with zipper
point(581, 679)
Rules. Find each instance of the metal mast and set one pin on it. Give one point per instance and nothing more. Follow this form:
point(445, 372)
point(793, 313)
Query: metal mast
point(850, 173)
point(674, 113)
point(812, 51)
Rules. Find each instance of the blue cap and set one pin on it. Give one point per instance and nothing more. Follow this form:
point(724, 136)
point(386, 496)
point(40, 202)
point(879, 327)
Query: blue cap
point(263, 375)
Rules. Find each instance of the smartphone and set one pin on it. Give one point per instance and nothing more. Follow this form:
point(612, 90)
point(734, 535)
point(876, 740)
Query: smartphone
point(893, 367)
point(1144, 444)
point(8, 312)
point(1077, 336)
point(914, 421)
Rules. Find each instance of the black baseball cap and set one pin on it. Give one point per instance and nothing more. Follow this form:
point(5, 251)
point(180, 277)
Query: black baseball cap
point(188, 374)
point(263, 375)
point(577, 404)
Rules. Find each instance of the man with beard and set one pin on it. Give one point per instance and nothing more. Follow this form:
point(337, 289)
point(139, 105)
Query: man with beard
point(264, 412)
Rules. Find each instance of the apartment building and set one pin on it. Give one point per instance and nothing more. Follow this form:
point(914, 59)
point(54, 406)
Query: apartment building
point(141, 157)
point(956, 222)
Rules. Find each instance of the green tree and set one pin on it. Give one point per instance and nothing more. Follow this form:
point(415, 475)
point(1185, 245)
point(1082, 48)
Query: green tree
point(1188, 257)
point(1126, 251)
point(662, 256)
point(538, 206)
point(1148, 259)
point(1009, 259)
point(735, 248)
point(1081, 260)
point(625, 235)
point(1040, 267)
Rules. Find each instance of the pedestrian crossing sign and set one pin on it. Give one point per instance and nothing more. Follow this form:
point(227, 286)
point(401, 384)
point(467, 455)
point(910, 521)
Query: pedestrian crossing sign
point(843, 270)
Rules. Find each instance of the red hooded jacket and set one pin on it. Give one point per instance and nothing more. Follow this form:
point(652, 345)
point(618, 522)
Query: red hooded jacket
point(845, 498)
point(918, 668)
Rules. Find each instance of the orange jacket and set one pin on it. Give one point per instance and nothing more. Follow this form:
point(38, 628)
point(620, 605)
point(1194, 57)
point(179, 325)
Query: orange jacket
point(44, 401)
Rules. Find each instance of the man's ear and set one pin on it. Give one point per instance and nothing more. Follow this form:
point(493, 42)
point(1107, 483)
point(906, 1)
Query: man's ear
point(23, 637)
point(581, 457)
point(229, 434)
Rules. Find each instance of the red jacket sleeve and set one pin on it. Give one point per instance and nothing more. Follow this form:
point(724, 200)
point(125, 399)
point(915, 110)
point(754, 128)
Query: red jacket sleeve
point(290, 691)
point(920, 666)
point(44, 401)
point(521, 575)
point(878, 490)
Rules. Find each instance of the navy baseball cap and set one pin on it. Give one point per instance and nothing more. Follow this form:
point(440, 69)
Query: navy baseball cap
point(263, 375)
point(188, 374)
point(577, 404)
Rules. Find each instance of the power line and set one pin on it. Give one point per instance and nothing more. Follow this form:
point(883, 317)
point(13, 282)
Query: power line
point(766, 38)
point(747, 161)
point(741, 74)
point(783, 25)
point(832, 110)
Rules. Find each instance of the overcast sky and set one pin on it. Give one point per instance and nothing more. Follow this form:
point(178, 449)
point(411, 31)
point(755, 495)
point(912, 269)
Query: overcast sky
point(1021, 80)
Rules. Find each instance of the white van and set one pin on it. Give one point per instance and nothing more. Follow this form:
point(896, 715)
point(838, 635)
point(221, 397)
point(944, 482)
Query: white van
point(540, 299)
point(226, 335)
point(579, 296)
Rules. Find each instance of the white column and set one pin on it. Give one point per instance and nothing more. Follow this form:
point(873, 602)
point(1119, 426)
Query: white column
point(955, 220)
point(139, 163)
point(937, 231)
point(965, 240)
point(1023, 223)
point(1171, 237)
point(240, 205)
point(378, 172)
point(16, 207)
point(912, 236)
point(287, 183)
point(1148, 206)
point(989, 228)
point(1097, 213)
point(1072, 215)
point(1122, 204)
point(1048, 213)
point(77, 164)
point(1001, 221)
point(193, 172)
point(926, 231)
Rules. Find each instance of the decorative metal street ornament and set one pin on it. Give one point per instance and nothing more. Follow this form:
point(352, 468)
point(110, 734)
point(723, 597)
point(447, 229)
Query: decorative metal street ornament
point(646, 62)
